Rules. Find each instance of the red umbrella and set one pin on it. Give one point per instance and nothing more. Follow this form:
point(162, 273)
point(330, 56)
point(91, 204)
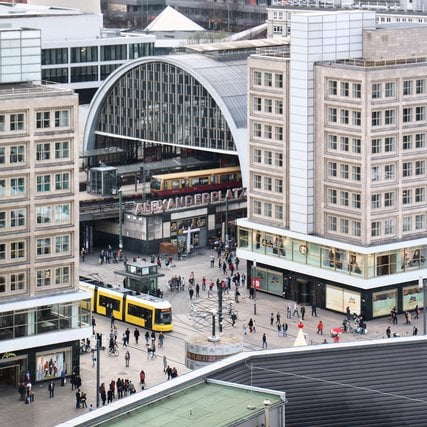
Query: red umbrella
point(335, 331)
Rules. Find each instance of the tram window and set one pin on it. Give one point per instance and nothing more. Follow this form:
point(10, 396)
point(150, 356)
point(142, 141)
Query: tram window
point(165, 185)
point(185, 183)
point(163, 316)
point(224, 178)
point(103, 301)
point(194, 182)
point(204, 180)
point(175, 183)
point(213, 179)
point(137, 311)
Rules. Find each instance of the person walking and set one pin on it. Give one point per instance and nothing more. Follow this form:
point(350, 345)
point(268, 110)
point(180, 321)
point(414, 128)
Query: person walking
point(314, 310)
point(388, 332)
point(285, 329)
point(320, 327)
point(288, 312)
point(142, 379)
point(302, 312)
point(415, 331)
point(136, 335)
point(264, 341)
point(127, 358)
point(51, 388)
point(296, 311)
point(271, 319)
point(124, 340)
point(161, 339)
point(165, 364)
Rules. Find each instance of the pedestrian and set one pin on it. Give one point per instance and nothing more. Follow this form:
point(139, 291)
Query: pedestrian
point(348, 312)
point(127, 332)
point(165, 364)
point(302, 312)
point(112, 320)
point(296, 311)
point(285, 329)
point(147, 338)
point(109, 396)
point(416, 312)
point(237, 262)
point(251, 325)
point(191, 292)
point(388, 332)
point(288, 312)
point(245, 328)
point(124, 339)
point(314, 310)
point(93, 325)
point(83, 254)
point(415, 331)
point(142, 379)
point(233, 319)
point(271, 319)
point(169, 372)
point(212, 261)
point(161, 339)
point(127, 358)
point(78, 397)
point(93, 354)
point(136, 335)
point(51, 388)
point(264, 341)
point(278, 318)
point(320, 327)
point(197, 290)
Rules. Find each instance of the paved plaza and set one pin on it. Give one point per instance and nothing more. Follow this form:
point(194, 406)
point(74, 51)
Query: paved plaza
point(46, 412)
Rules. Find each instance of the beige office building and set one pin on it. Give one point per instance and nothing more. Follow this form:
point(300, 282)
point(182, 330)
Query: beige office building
point(41, 319)
point(337, 197)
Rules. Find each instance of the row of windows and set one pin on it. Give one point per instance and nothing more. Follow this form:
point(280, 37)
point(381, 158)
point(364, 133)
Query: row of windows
point(53, 245)
point(267, 105)
point(13, 218)
point(13, 187)
point(344, 144)
point(344, 116)
point(267, 79)
point(16, 154)
point(413, 223)
point(344, 89)
point(267, 209)
point(388, 144)
point(61, 276)
point(13, 251)
point(343, 198)
point(12, 283)
point(346, 226)
point(53, 214)
point(268, 183)
point(259, 154)
point(346, 171)
point(266, 131)
point(44, 119)
point(378, 89)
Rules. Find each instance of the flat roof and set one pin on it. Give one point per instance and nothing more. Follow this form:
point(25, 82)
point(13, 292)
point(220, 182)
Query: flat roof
point(201, 405)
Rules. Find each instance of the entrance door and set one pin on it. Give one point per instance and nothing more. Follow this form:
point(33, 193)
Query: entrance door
point(9, 375)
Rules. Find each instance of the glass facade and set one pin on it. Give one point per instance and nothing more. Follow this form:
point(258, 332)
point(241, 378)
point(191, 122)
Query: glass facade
point(331, 258)
point(157, 101)
point(55, 56)
point(47, 318)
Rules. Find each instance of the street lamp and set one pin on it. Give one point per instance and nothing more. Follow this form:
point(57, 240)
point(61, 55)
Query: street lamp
point(120, 219)
point(213, 338)
point(422, 283)
point(98, 365)
point(254, 282)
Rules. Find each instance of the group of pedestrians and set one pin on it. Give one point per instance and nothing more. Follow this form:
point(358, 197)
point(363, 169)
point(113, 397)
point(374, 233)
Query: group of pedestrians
point(116, 390)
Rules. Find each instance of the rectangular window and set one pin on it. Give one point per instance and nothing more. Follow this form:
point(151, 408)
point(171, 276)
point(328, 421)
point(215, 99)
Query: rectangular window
point(343, 225)
point(43, 246)
point(62, 244)
point(390, 89)
point(2, 122)
point(389, 144)
point(17, 154)
point(332, 223)
point(62, 181)
point(2, 187)
point(257, 155)
point(407, 142)
point(278, 107)
point(332, 115)
point(406, 197)
point(332, 142)
point(42, 119)
point(376, 118)
point(268, 79)
point(345, 89)
point(17, 282)
point(43, 183)
point(268, 157)
point(257, 207)
point(16, 122)
point(344, 171)
point(357, 90)
point(257, 182)
point(278, 81)
point(278, 185)
point(332, 169)
point(420, 140)
point(389, 226)
point(61, 118)
point(268, 105)
point(278, 159)
point(62, 214)
point(356, 146)
point(420, 86)
point(407, 169)
point(17, 250)
point(356, 118)
point(267, 183)
point(278, 211)
point(257, 130)
point(355, 174)
point(62, 150)
point(17, 186)
point(44, 215)
point(389, 199)
point(376, 146)
point(407, 115)
point(355, 228)
point(43, 151)
point(2, 251)
point(375, 228)
point(389, 172)
point(344, 198)
point(43, 277)
point(355, 201)
point(389, 117)
point(332, 196)
point(376, 90)
point(420, 222)
point(257, 78)
point(257, 103)
point(2, 219)
point(407, 87)
point(278, 133)
point(407, 223)
point(268, 210)
point(344, 143)
point(332, 87)
point(420, 114)
point(268, 131)
point(344, 117)
point(420, 195)
point(17, 218)
point(2, 155)
point(420, 167)
point(376, 201)
point(62, 276)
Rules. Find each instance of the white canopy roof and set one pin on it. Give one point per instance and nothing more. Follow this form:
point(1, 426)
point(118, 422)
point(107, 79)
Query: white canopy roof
point(172, 20)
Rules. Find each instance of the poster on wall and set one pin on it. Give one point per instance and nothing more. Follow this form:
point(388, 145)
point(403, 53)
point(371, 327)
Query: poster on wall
point(384, 302)
point(411, 297)
point(51, 364)
point(411, 258)
point(351, 299)
point(334, 298)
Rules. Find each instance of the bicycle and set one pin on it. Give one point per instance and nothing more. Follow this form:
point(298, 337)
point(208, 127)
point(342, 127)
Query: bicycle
point(113, 351)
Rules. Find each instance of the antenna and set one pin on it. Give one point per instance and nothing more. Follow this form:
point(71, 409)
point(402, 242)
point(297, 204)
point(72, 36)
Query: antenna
point(251, 406)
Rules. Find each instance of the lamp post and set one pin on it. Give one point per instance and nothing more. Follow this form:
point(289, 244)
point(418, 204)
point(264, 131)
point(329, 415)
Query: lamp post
point(254, 280)
point(213, 338)
point(98, 365)
point(422, 283)
point(226, 221)
point(220, 308)
point(120, 219)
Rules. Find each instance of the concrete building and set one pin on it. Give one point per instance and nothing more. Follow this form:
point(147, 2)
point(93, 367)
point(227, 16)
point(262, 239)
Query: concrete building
point(41, 318)
point(336, 196)
point(76, 49)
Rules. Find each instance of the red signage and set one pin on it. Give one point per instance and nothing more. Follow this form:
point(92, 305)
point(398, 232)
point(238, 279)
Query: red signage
point(256, 282)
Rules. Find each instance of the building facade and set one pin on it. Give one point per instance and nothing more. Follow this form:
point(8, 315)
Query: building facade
point(41, 317)
point(351, 228)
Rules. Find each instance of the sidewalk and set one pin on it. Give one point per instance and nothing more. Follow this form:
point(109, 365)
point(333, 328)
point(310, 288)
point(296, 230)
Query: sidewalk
point(45, 412)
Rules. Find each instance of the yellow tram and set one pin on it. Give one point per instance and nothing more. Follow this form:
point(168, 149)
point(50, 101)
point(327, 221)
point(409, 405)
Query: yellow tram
point(146, 311)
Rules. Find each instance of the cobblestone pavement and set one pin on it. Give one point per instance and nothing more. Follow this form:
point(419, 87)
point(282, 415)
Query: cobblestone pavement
point(45, 412)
